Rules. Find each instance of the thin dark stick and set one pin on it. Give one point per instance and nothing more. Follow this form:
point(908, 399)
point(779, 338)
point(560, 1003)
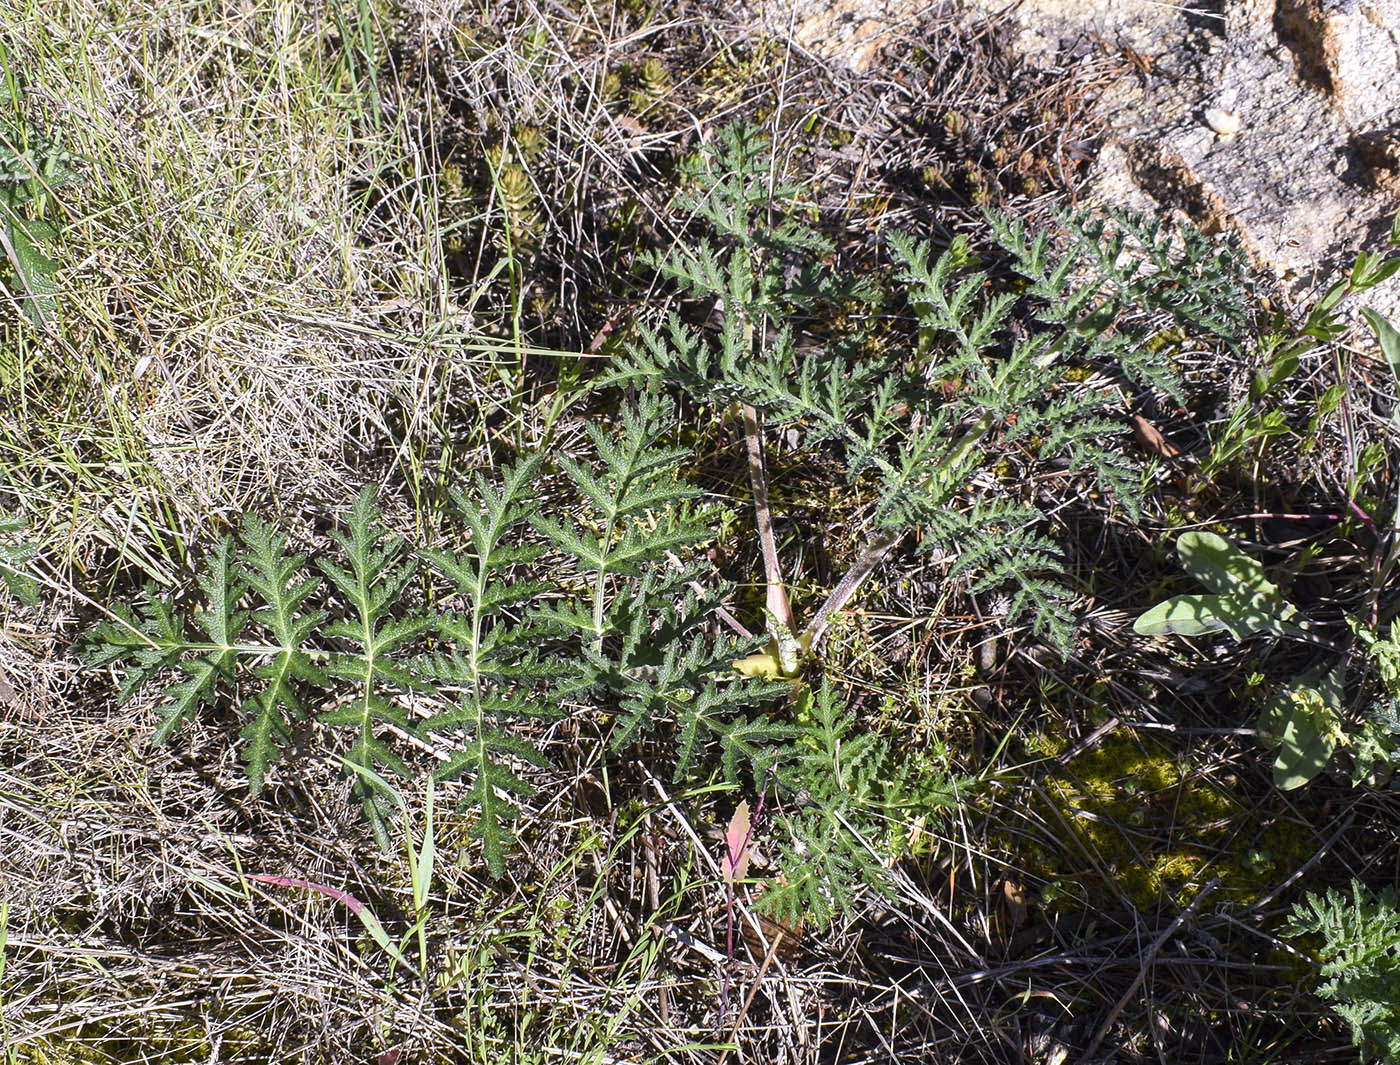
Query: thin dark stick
point(1147, 960)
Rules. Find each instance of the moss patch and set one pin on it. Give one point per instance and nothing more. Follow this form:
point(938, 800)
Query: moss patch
point(1134, 818)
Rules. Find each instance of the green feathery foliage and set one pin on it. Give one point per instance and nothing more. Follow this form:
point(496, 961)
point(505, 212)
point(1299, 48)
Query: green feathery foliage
point(851, 790)
point(15, 554)
point(273, 575)
point(625, 625)
point(222, 623)
point(622, 626)
point(606, 603)
point(635, 629)
point(922, 427)
point(1115, 280)
point(335, 645)
point(1360, 956)
point(628, 634)
point(373, 586)
point(155, 639)
point(491, 656)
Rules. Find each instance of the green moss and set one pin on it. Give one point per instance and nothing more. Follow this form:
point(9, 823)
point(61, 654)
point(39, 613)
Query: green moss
point(149, 1041)
point(1133, 816)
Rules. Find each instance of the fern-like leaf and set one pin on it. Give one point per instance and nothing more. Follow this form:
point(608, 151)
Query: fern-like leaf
point(493, 656)
point(824, 863)
point(273, 575)
point(15, 554)
point(637, 509)
point(1360, 962)
point(853, 801)
point(373, 585)
point(222, 624)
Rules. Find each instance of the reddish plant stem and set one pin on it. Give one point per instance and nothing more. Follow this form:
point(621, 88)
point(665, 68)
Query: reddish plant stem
point(349, 901)
point(731, 863)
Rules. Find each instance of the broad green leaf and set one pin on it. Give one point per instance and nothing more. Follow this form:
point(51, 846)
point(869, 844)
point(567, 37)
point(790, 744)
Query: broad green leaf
point(1226, 570)
point(34, 269)
point(1197, 615)
point(1305, 742)
point(1273, 375)
point(1301, 719)
point(1330, 299)
point(1387, 336)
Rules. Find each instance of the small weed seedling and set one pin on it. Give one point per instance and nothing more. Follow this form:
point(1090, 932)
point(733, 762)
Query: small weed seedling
point(15, 554)
point(1251, 425)
point(32, 167)
point(1304, 716)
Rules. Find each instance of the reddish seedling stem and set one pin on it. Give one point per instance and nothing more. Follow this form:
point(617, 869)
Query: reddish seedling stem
point(349, 901)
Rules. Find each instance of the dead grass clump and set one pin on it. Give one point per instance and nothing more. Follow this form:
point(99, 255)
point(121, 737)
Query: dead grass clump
point(237, 325)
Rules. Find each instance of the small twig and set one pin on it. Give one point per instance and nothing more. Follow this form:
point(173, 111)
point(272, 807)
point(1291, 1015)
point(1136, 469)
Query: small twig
point(722, 612)
point(603, 333)
point(1274, 515)
point(753, 991)
point(732, 864)
point(1147, 960)
point(1302, 870)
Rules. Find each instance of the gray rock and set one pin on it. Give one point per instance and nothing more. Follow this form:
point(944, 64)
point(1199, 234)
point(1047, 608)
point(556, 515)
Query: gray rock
point(846, 32)
point(1309, 176)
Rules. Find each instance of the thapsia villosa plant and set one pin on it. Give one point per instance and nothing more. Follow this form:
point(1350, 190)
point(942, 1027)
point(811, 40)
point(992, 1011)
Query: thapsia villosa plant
point(920, 425)
point(341, 644)
point(580, 588)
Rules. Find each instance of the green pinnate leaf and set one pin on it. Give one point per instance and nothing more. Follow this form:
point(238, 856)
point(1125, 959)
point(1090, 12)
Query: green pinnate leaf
point(222, 623)
point(494, 655)
point(373, 582)
point(494, 785)
point(275, 576)
point(15, 555)
point(1360, 962)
